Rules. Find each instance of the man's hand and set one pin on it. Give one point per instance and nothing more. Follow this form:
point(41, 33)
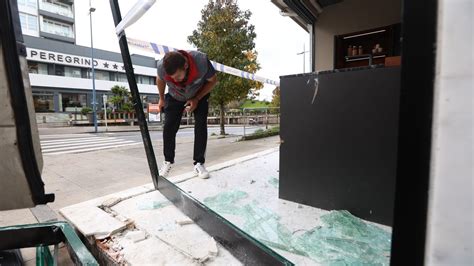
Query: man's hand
point(161, 105)
point(192, 104)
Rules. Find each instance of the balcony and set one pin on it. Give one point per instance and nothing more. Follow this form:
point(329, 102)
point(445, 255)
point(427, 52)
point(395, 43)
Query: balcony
point(56, 30)
point(67, 34)
point(58, 9)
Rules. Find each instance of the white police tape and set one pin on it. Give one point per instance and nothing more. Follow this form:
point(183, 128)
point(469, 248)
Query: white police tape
point(162, 49)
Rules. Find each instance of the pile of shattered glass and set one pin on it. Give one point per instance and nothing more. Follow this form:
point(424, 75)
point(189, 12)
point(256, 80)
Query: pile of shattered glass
point(340, 239)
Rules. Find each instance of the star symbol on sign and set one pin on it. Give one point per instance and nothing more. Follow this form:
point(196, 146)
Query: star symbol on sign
point(106, 65)
point(115, 66)
point(123, 67)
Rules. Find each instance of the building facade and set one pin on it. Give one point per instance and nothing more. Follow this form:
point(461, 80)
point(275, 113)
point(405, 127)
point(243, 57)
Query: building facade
point(60, 70)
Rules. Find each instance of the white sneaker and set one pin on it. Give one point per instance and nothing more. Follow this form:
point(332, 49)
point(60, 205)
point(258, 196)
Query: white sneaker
point(201, 171)
point(165, 169)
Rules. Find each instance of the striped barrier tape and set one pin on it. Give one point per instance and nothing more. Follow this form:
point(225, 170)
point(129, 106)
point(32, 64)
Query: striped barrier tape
point(162, 49)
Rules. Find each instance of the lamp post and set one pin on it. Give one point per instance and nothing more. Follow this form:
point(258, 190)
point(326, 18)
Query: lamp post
point(104, 98)
point(303, 53)
point(94, 100)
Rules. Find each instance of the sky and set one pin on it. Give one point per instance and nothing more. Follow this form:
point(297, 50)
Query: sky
point(170, 22)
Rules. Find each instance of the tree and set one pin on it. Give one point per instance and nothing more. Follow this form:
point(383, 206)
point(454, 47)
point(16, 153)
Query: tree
point(226, 36)
point(276, 97)
point(120, 98)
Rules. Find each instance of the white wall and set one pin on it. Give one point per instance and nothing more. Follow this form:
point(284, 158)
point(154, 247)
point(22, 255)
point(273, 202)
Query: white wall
point(450, 213)
point(49, 81)
point(350, 16)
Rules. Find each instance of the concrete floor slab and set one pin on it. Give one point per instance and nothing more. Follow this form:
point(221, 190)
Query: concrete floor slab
point(92, 221)
point(146, 210)
point(154, 214)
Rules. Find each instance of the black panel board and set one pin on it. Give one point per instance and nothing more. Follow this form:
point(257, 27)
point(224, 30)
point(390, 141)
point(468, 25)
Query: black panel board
point(340, 151)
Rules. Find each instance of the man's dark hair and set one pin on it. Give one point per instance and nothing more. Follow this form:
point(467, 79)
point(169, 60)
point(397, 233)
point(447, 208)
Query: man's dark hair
point(173, 61)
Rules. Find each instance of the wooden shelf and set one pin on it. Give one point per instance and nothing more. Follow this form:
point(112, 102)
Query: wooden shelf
point(363, 57)
point(387, 37)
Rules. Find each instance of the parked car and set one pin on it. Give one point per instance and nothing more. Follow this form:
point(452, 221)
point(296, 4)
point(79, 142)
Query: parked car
point(253, 121)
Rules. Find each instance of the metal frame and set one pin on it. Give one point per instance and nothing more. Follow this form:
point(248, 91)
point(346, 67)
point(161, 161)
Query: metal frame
point(43, 235)
point(137, 103)
point(241, 245)
point(245, 248)
point(13, 47)
point(34, 235)
point(419, 29)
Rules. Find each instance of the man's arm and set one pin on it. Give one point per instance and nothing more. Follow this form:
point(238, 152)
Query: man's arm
point(193, 102)
point(211, 82)
point(161, 90)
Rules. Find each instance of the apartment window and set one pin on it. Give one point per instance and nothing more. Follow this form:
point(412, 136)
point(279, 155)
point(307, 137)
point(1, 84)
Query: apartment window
point(112, 76)
point(28, 22)
point(27, 3)
point(144, 80)
point(138, 79)
point(43, 101)
point(121, 77)
point(149, 80)
point(37, 68)
point(57, 28)
point(102, 75)
point(73, 72)
point(59, 70)
point(70, 101)
point(85, 73)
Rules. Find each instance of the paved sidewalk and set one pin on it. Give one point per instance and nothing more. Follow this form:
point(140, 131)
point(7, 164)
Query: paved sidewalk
point(75, 178)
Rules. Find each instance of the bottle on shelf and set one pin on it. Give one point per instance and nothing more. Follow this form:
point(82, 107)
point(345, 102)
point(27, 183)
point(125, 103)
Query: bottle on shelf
point(377, 49)
point(349, 50)
point(354, 50)
point(361, 51)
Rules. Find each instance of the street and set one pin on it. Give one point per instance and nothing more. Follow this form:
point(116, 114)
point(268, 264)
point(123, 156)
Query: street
point(78, 167)
point(135, 135)
point(56, 143)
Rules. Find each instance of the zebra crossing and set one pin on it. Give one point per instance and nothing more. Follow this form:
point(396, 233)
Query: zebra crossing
point(52, 145)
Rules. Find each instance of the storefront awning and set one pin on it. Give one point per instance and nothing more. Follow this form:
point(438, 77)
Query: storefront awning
point(303, 12)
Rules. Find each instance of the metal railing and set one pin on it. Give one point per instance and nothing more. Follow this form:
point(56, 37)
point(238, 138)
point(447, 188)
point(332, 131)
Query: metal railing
point(248, 118)
point(63, 11)
point(261, 116)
